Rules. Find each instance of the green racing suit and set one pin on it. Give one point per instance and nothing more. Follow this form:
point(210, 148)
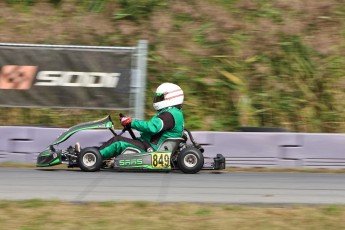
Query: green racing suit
point(167, 123)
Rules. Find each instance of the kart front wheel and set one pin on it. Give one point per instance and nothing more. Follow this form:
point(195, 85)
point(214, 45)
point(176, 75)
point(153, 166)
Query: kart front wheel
point(190, 160)
point(90, 160)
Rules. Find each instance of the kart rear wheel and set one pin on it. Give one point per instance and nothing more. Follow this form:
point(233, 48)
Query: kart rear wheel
point(90, 160)
point(190, 160)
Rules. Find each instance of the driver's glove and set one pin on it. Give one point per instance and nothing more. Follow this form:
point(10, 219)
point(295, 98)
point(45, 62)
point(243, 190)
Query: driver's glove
point(125, 120)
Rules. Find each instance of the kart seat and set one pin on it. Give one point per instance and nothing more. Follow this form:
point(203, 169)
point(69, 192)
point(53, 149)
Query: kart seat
point(170, 144)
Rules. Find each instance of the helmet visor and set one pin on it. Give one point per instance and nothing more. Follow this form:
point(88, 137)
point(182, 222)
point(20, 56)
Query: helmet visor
point(158, 97)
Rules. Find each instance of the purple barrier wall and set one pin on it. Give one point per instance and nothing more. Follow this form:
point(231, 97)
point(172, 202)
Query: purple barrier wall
point(241, 149)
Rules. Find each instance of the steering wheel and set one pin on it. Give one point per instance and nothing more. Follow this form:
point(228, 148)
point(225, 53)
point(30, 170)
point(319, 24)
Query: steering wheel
point(128, 128)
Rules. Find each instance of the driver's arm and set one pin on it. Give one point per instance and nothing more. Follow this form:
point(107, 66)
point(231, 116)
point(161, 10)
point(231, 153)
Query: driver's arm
point(164, 121)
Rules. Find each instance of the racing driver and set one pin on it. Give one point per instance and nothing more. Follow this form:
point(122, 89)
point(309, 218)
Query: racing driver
point(166, 123)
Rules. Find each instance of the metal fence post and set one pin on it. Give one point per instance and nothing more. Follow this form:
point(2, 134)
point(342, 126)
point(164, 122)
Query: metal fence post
point(140, 86)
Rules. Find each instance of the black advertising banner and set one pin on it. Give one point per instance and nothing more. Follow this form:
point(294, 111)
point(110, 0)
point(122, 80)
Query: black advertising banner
point(65, 77)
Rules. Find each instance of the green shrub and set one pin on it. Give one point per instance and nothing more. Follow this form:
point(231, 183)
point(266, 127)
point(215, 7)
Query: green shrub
point(137, 9)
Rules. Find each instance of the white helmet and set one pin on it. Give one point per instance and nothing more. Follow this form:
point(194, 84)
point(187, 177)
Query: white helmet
point(167, 94)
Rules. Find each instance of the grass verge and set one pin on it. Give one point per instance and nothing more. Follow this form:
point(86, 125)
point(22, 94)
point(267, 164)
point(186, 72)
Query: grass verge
point(39, 214)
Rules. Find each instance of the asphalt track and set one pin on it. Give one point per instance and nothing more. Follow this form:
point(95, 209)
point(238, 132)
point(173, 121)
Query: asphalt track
point(207, 186)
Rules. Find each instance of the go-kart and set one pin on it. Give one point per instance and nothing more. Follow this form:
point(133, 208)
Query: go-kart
point(172, 154)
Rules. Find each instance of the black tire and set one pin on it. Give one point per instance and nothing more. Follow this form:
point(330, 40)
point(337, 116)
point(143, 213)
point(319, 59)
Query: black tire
point(90, 160)
point(190, 160)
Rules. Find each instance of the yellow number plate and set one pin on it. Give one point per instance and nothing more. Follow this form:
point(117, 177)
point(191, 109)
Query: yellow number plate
point(161, 160)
